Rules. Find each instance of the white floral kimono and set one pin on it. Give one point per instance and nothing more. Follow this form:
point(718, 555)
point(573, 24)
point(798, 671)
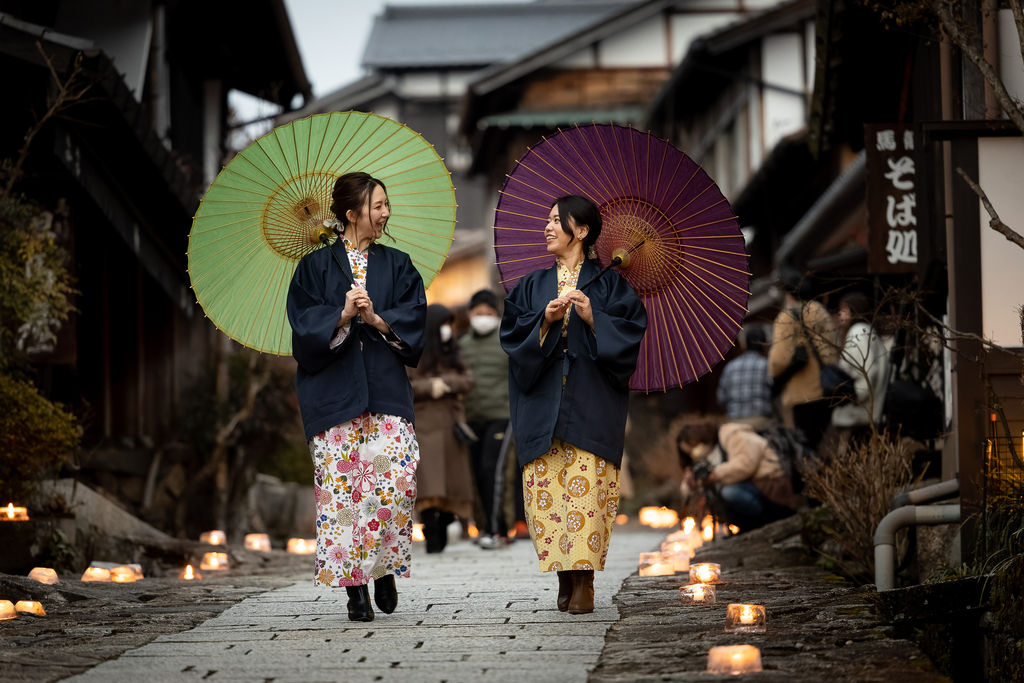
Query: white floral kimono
point(365, 485)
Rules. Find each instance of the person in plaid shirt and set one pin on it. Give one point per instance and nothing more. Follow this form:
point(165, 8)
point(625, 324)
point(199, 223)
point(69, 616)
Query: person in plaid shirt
point(743, 390)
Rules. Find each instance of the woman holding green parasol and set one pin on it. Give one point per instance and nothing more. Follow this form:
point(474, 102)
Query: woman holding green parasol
point(357, 318)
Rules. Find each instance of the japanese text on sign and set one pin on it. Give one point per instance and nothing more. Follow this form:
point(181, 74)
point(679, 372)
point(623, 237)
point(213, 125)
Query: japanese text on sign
point(900, 199)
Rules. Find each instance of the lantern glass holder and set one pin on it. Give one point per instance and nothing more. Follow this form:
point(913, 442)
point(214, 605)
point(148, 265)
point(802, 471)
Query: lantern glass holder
point(7, 610)
point(734, 660)
point(215, 561)
point(656, 564)
point(215, 537)
point(30, 607)
point(745, 619)
point(96, 574)
point(697, 594)
point(259, 542)
point(44, 575)
point(706, 572)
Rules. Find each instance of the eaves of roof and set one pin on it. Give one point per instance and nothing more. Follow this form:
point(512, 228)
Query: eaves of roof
point(499, 75)
point(350, 96)
point(725, 39)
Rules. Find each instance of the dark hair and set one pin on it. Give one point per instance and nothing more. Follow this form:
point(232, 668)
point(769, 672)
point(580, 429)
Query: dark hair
point(439, 355)
point(858, 303)
point(352, 191)
point(582, 211)
point(484, 296)
point(755, 336)
point(695, 433)
point(795, 282)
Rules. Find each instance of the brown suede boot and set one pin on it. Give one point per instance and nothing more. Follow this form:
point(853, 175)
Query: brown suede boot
point(582, 601)
point(565, 585)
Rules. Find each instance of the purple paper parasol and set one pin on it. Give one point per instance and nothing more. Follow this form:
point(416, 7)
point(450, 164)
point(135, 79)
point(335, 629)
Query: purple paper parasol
point(691, 268)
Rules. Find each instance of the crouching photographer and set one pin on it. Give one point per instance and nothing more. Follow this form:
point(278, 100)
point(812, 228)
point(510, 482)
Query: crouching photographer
point(738, 466)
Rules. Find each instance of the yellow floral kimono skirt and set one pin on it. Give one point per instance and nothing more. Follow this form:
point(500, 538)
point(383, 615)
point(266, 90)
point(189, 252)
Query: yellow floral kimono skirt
point(571, 497)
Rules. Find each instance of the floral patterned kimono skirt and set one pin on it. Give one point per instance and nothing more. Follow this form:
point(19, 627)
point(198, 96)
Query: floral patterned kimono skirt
point(365, 487)
point(571, 496)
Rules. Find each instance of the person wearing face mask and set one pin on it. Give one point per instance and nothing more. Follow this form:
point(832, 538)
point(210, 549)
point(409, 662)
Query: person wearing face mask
point(357, 318)
point(487, 413)
point(571, 355)
point(438, 384)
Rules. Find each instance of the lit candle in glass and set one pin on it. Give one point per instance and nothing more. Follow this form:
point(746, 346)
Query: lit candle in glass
point(214, 561)
point(13, 514)
point(188, 574)
point(745, 619)
point(302, 546)
point(213, 537)
point(697, 594)
point(734, 660)
point(733, 529)
point(706, 572)
point(96, 574)
point(659, 518)
point(417, 532)
point(30, 607)
point(656, 564)
point(44, 575)
point(7, 610)
point(259, 542)
point(123, 574)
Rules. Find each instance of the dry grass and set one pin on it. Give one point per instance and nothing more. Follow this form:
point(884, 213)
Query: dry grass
point(858, 485)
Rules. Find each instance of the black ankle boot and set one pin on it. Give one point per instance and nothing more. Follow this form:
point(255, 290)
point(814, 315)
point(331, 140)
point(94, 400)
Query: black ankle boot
point(359, 608)
point(385, 595)
point(435, 531)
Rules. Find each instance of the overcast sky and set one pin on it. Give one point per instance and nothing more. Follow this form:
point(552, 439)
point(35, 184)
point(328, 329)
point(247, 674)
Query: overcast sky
point(332, 35)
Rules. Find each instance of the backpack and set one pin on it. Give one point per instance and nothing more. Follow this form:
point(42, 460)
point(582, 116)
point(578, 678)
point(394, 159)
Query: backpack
point(791, 447)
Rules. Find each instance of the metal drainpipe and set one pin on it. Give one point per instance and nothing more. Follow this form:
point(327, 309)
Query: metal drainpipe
point(885, 535)
point(927, 494)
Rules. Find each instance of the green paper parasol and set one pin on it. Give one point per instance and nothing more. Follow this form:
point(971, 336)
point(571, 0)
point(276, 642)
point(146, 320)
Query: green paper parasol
point(266, 209)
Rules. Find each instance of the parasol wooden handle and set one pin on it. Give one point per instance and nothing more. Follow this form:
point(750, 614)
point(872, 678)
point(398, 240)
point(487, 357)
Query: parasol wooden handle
point(325, 237)
point(620, 257)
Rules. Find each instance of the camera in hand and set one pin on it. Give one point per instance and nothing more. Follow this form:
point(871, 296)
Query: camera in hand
point(702, 470)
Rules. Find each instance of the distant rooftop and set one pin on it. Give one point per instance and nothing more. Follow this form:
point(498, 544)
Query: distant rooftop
point(469, 36)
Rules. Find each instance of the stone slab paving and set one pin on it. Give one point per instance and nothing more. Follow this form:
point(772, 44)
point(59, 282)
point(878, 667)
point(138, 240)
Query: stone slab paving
point(466, 615)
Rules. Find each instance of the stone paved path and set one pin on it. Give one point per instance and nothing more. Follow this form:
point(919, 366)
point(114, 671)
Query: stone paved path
point(466, 615)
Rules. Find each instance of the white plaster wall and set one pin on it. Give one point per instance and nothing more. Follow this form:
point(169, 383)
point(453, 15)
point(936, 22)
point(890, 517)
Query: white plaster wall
point(686, 27)
point(756, 137)
point(782, 64)
point(1001, 164)
point(427, 84)
point(584, 59)
point(1011, 64)
point(642, 45)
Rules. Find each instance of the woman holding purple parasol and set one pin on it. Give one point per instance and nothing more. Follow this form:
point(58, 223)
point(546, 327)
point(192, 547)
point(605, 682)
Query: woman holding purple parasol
point(571, 356)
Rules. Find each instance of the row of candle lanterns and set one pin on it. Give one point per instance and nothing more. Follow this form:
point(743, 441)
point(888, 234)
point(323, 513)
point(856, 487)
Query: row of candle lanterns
point(674, 558)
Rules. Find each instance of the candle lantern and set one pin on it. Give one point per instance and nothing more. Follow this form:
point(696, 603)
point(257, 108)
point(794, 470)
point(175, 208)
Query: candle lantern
point(189, 574)
point(214, 561)
point(706, 572)
point(621, 519)
point(260, 542)
point(123, 574)
point(96, 574)
point(30, 607)
point(734, 660)
point(44, 575)
point(213, 537)
point(697, 594)
point(13, 514)
point(656, 564)
point(302, 546)
point(417, 532)
point(680, 563)
point(745, 619)
point(733, 529)
point(7, 610)
point(659, 518)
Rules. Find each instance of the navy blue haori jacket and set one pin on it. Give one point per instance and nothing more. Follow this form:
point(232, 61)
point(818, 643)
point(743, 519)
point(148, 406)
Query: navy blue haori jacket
point(589, 412)
point(365, 372)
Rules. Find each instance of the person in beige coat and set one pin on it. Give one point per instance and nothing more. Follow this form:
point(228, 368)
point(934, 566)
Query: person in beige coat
point(754, 487)
point(444, 478)
point(794, 364)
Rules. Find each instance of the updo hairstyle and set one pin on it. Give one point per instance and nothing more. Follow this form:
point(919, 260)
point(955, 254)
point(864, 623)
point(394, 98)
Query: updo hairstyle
point(582, 211)
point(352, 192)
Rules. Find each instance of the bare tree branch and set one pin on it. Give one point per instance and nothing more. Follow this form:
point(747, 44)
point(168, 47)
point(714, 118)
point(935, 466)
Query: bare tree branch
point(961, 36)
point(1018, 19)
point(996, 224)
